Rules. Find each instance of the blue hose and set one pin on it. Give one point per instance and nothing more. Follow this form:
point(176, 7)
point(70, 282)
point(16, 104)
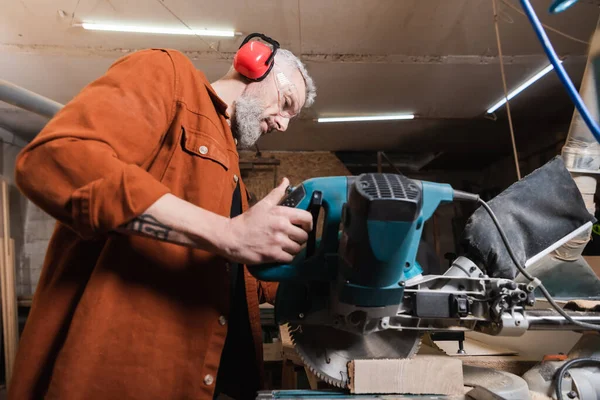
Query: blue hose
point(560, 71)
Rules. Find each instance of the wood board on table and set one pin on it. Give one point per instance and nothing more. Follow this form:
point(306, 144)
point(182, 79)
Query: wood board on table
point(424, 374)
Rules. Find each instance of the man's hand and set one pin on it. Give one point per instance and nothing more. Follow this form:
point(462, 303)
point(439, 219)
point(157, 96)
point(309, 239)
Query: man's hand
point(267, 232)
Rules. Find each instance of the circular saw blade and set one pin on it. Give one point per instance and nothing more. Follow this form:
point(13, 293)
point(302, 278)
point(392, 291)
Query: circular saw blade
point(326, 351)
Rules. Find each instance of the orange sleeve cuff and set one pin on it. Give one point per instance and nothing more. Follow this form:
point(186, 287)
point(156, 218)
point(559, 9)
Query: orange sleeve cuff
point(107, 203)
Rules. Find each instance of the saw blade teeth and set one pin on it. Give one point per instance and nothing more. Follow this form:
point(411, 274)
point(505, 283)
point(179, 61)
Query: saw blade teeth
point(325, 378)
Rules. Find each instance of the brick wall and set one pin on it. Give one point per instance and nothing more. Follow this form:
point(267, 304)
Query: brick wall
point(296, 166)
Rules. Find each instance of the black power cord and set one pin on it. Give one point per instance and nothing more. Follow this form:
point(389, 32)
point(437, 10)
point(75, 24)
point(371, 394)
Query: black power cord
point(560, 374)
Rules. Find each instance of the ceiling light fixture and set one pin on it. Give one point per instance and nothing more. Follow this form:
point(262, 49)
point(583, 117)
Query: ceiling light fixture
point(558, 6)
point(156, 30)
point(522, 87)
point(391, 117)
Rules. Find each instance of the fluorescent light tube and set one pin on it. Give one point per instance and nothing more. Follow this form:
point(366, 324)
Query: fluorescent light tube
point(524, 86)
point(156, 30)
point(392, 117)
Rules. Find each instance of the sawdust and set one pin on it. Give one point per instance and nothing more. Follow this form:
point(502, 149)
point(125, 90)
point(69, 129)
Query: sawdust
point(583, 305)
point(538, 396)
point(487, 378)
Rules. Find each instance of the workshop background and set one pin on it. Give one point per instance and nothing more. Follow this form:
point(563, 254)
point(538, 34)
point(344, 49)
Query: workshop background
point(437, 59)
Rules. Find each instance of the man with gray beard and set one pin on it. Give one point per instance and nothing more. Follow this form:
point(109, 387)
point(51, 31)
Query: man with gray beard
point(257, 108)
point(144, 292)
point(261, 107)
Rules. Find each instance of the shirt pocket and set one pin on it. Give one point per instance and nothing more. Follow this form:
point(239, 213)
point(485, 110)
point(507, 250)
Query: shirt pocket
point(200, 167)
point(203, 145)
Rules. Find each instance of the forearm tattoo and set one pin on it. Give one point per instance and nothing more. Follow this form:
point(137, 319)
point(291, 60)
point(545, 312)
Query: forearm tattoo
point(150, 226)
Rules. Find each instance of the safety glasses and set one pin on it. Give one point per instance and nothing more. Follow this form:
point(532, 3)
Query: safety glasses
point(289, 100)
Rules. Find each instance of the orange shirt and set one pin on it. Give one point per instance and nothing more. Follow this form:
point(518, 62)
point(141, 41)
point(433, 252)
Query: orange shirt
point(127, 317)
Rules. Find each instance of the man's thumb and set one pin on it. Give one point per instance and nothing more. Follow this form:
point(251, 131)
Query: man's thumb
point(277, 194)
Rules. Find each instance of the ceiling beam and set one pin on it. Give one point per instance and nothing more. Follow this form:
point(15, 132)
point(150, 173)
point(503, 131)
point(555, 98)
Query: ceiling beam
point(306, 57)
point(428, 59)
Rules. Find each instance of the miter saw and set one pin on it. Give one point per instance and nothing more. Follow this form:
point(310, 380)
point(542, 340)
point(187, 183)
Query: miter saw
point(357, 292)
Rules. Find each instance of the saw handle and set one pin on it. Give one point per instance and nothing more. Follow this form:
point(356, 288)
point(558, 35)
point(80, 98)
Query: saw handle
point(314, 207)
point(317, 261)
point(293, 199)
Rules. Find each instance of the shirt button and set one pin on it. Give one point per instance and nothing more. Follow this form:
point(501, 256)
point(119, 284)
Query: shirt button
point(203, 149)
point(236, 179)
point(235, 141)
point(208, 380)
point(222, 320)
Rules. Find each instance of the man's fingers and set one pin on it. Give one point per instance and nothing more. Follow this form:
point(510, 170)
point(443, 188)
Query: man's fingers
point(291, 247)
point(298, 235)
point(277, 194)
point(283, 257)
point(298, 217)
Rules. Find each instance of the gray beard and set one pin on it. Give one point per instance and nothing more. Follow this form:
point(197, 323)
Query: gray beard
point(246, 120)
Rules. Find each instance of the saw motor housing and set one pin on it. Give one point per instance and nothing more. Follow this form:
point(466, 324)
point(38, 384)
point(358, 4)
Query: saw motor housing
point(382, 224)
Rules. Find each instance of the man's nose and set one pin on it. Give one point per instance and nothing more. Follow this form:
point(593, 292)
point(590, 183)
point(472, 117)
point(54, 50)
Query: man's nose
point(281, 123)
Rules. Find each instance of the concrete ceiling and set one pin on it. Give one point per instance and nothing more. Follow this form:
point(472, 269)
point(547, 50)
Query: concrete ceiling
point(436, 58)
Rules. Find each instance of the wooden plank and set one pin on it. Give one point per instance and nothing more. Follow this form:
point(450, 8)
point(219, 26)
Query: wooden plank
point(288, 350)
point(4, 299)
point(487, 355)
point(514, 364)
point(289, 379)
point(3, 282)
point(13, 319)
point(313, 380)
point(474, 347)
point(10, 323)
point(272, 352)
point(407, 376)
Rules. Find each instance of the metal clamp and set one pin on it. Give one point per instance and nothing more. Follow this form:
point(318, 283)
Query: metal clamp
point(533, 284)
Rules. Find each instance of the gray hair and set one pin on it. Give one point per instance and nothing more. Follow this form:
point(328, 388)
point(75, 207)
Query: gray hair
point(284, 56)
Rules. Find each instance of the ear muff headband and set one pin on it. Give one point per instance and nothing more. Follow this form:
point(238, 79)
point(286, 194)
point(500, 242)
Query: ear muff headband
point(254, 60)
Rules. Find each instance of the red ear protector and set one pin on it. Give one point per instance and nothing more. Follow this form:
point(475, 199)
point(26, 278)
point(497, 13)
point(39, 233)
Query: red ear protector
point(255, 59)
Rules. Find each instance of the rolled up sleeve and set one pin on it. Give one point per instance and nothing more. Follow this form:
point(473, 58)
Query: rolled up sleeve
point(86, 167)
